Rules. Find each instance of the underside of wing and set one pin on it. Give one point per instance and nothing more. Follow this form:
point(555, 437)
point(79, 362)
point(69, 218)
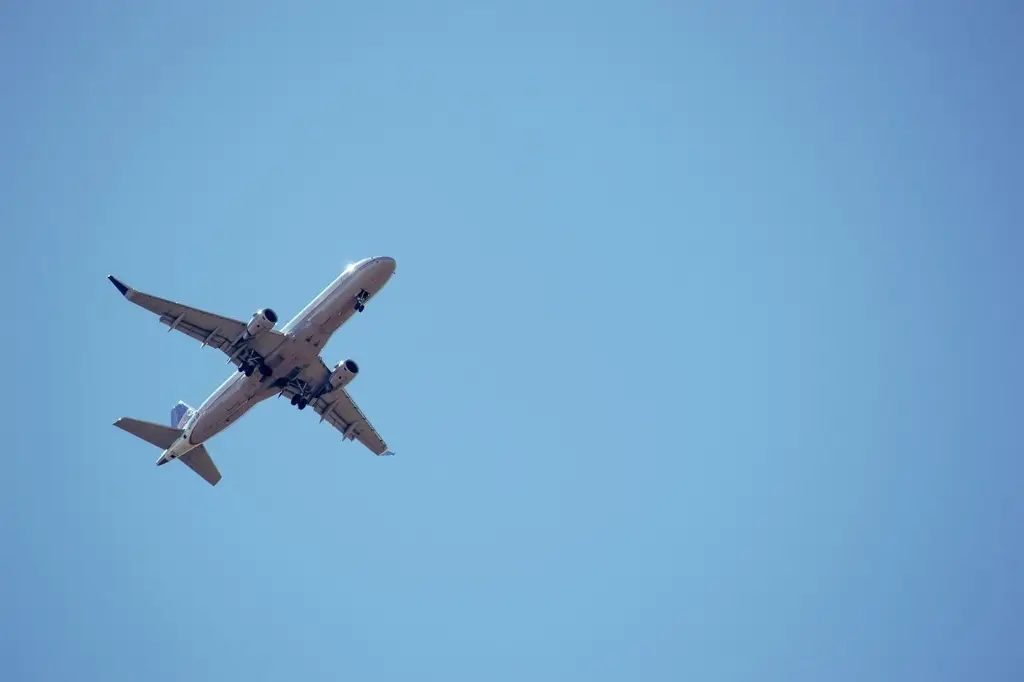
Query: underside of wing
point(232, 337)
point(337, 408)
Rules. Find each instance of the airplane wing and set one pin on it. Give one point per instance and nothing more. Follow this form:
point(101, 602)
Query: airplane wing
point(212, 330)
point(339, 410)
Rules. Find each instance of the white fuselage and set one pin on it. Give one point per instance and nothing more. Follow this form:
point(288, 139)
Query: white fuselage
point(304, 337)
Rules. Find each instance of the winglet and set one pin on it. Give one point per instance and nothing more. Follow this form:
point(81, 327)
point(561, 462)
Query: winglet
point(121, 286)
point(387, 453)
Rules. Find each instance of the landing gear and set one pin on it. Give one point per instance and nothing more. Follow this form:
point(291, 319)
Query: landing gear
point(249, 361)
point(361, 298)
point(248, 370)
point(302, 391)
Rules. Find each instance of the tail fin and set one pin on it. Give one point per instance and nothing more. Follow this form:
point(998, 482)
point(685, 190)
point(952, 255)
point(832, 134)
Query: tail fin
point(155, 434)
point(180, 414)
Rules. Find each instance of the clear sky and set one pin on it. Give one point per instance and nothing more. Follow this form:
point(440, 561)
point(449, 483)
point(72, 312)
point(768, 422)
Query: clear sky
point(702, 360)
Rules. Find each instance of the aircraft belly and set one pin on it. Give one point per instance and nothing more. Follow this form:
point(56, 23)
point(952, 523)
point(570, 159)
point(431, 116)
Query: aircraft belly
point(227, 409)
point(340, 308)
point(334, 307)
point(219, 418)
point(308, 336)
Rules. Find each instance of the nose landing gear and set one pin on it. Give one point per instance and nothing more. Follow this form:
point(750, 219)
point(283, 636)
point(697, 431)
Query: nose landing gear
point(361, 298)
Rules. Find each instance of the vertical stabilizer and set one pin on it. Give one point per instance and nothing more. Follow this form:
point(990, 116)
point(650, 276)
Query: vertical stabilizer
point(180, 414)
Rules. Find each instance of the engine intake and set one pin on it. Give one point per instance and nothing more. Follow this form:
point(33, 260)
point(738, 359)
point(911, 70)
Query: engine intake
point(344, 372)
point(261, 321)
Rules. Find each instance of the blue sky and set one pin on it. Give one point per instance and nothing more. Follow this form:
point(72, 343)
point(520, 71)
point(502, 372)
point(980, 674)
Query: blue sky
point(702, 359)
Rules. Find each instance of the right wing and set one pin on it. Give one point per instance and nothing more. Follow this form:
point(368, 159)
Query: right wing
point(338, 409)
point(213, 330)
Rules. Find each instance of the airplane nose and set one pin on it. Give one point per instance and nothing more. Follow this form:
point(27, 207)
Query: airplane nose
point(385, 264)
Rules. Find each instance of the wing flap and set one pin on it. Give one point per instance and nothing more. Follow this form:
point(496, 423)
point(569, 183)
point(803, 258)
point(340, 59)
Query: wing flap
point(339, 410)
point(218, 336)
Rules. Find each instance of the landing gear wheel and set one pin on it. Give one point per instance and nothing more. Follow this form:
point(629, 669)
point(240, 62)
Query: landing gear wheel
point(362, 297)
point(302, 404)
point(265, 370)
point(360, 307)
point(295, 400)
point(249, 369)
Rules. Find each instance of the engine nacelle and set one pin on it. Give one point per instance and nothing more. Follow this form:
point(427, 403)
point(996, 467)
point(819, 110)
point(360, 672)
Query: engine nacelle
point(261, 321)
point(344, 373)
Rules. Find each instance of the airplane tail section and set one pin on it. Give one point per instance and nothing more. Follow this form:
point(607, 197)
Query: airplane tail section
point(199, 461)
point(180, 414)
point(154, 434)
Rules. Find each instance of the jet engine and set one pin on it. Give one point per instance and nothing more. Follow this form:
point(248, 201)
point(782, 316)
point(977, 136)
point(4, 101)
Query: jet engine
point(261, 321)
point(343, 373)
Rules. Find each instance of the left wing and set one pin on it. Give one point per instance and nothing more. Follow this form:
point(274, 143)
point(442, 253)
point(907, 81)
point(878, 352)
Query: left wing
point(337, 408)
point(223, 333)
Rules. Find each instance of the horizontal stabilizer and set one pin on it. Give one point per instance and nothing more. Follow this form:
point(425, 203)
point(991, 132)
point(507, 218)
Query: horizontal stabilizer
point(155, 434)
point(199, 461)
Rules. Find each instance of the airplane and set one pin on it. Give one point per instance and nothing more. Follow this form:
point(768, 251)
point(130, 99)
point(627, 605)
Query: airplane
point(268, 362)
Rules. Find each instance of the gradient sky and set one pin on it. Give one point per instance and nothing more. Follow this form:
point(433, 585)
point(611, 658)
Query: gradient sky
point(702, 360)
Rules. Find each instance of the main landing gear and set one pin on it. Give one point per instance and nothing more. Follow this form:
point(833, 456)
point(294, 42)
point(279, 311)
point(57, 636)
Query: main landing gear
point(249, 368)
point(249, 361)
point(304, 392)
point(361, 298)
